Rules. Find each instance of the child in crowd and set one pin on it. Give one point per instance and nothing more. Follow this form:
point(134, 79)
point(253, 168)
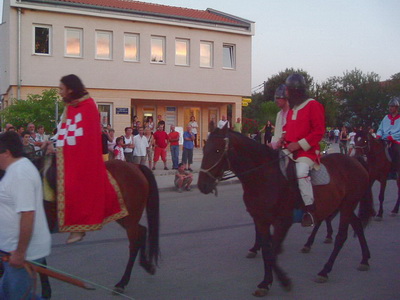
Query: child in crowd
point(118, 149)
point(183, 179)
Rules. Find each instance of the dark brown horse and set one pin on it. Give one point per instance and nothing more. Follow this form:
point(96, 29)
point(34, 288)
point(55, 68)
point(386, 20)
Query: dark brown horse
point(139, 190)
point(270, 198)
point(378, 166)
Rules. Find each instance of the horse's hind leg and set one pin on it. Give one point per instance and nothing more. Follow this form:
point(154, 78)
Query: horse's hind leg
point(257, 245)
point(144, 261)
point(395, 210)
point(310, 241)
point(339, 241)
point(359, 230)
point(381, 199)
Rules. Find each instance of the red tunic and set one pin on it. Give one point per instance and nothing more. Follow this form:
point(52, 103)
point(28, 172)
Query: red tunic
point(305, 124)
point(87, 196)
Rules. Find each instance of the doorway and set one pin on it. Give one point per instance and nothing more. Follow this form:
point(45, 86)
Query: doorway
point(188, 113)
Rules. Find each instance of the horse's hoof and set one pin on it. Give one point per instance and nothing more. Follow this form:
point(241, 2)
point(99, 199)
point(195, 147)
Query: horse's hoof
point(287, 286)
point(378, 218)
point(305, 249)
point(363, 267)
point(118, 290)
point(260, 292)
point(328, 241)
point(393, 214)
point(251, 254)
point(321, 279)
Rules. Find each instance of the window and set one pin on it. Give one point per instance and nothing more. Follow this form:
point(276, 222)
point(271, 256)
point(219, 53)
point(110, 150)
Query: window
point(73, 42)
point(157, 49)
point(206, 54)
point(182, 52)
point(229, 56)
point(103, 45)
point(42, 39)
point(105, 110)
point(131, 47)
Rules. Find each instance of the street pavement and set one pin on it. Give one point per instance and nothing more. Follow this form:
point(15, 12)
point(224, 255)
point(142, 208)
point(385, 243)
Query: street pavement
point(204, 240)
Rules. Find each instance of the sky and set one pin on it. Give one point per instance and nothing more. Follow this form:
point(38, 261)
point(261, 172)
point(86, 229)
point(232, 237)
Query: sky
point(323, 37)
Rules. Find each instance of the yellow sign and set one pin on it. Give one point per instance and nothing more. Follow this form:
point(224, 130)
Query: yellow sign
point(245, 104)
point(247, 100)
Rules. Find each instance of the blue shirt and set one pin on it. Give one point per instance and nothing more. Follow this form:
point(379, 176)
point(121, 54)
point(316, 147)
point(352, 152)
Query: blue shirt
point(188, 144)
point(389, 128)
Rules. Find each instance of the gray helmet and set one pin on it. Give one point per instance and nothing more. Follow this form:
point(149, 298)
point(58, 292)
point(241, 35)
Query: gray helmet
point(296, 81)
point(395, 101)
point(280, 92)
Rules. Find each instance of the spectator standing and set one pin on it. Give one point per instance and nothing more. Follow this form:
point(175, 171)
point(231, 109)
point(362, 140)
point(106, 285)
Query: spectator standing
point(150, 150)
point(41, 136)
point(23, 226)
point(343, 140)
point(160, 122)
point(183, 179)
point(112, 142)
point(34, 138)
point(141, 145)
point(150, 124)
point(128, 144)
point(336, 132)
point(195, 126)
point(223, 122)
point(161, 143)
point(268, 128)
point(27, 148)
point(188, 145)
point(105, 138)
point(118, 151)
point(20, 130)
point(238, 126)
point(211, 125)
point(352, 142)
point(173, 138)
point(136, 128)
point(331, 135)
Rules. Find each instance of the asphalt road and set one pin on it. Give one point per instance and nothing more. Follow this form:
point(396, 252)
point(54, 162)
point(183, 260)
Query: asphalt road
point(204, 241)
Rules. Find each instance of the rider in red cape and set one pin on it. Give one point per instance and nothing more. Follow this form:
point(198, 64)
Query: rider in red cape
point(304, 129)
point(87, 196)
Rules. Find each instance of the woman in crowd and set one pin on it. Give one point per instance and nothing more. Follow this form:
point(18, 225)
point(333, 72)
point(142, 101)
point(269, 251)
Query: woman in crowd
point(343, 138)
point(268, 132)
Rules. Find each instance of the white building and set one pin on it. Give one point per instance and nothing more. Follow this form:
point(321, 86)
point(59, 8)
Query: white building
point(134, 58)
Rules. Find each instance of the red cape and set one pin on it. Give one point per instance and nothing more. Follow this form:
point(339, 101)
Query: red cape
point(87, 195)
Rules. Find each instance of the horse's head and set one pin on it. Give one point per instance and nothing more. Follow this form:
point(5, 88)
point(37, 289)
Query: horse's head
point(215, 161)
point(362, 141)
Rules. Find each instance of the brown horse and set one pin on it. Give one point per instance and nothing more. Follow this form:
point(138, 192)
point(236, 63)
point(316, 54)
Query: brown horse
point(270, 197)
point(139, 190)
point(378, 167)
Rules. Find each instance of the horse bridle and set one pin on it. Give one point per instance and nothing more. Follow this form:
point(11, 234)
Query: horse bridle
point(225, 153)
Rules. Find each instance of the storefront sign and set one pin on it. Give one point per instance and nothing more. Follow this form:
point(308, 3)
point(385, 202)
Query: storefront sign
point(122, 110)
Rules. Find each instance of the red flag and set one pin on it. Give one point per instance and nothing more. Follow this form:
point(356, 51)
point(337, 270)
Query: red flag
point(87, 195)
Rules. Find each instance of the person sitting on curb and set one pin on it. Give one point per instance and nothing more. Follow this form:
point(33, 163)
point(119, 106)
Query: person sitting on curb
point(183, 179)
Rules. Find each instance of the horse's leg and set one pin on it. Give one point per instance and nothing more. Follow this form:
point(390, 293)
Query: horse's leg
point(339, 241)
point(132, 229)
point(307, 246)
point(44, 281)
point(395, 210)
point(381, 199)
point(257, 245)
point(268, 258)
point(329, 229)
point(359, 230)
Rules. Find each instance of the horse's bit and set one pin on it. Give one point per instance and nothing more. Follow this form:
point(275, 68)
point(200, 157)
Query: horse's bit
point(225, 153)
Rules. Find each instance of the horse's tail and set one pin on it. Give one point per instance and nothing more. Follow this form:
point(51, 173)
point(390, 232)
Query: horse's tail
point(366, 208)
point(153, 215)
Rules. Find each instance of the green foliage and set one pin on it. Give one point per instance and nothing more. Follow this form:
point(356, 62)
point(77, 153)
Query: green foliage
point(268, 111)
point(38, 109)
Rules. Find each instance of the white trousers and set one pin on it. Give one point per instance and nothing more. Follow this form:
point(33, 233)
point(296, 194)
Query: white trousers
point(304, 180)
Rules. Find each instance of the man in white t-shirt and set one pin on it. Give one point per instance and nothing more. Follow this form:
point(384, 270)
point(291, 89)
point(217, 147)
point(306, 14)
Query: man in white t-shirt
point(23, 226)
point(223, 122)
point(141, 144)
point(352, 142)
point(128, 144)
point(194, 125)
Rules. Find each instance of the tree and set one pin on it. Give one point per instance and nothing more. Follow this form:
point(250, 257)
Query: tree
point(38, 109)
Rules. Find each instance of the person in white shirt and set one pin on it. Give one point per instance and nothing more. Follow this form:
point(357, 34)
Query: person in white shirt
point(23, 226)
point(128, 144)
point(141, 144)
point(223, 122)
point(352, 142)
point(118, 151)
point(194, 125)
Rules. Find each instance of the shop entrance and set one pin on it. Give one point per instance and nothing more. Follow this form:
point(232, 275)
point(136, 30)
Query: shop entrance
point(195, 112)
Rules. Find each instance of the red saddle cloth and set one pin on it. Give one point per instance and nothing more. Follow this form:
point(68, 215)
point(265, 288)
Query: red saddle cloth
point(87, 195)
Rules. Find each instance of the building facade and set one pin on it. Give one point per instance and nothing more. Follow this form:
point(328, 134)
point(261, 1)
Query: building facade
point(134, 58)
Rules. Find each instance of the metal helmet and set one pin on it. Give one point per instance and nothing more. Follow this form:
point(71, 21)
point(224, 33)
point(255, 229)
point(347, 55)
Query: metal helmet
point(395, 101)
point(296, 81)
point(280, 92)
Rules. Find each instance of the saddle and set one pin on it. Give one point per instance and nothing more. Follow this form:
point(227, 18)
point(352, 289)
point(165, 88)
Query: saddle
point(319, 176)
